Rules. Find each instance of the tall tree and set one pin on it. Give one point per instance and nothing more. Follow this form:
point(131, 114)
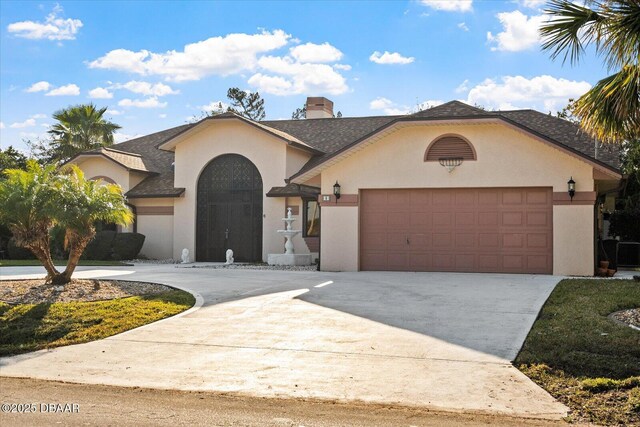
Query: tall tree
point(79, 128)
point(610, 111)
point(12, 159)
point(246, 104)
point(300, 113)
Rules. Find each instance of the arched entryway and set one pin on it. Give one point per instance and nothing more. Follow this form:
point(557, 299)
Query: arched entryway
point(229, 210)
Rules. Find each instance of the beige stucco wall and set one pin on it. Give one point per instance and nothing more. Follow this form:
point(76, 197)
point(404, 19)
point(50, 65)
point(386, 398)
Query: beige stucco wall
point(99, 166)
point(506, 158)
point(339, 239)
point(295, 160)
point(158, 231)
point(573, 239)
point(268, 154)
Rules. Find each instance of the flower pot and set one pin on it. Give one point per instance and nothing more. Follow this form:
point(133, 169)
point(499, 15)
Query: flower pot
point(602, 272)
point(604, 264)
point(610, 272)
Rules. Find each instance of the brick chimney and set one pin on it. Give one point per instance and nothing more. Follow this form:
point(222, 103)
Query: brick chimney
point(319, 107)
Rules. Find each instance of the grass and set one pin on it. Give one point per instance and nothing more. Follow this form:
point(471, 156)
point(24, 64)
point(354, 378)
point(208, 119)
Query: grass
point(30, 327)
point(35, 262)
point(582, 357)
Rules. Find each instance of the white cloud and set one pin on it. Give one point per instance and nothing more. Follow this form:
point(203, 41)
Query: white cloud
point(39, 87)
point(297, 78)
point(1, 125)
point(151, 102)
point(532, 4)
point(231, 54)
point(114, 112)
point(146, 88)
point(390, 58)
point(100, 93)
point(463, 87)
point(214, 106)
point(520, 32)
point(53, 27)
point(68, 90)
point(26, 124)
point(343, 67)
point(463, 26)
point(393, 109)
point(449, 5)
point(545, 93)
point(162, 116)
point(39, 116)
point(312, 52)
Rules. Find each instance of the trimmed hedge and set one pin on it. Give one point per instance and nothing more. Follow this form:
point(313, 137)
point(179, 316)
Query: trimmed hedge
point(127, 245)
point(18, 252)
point(101, 247)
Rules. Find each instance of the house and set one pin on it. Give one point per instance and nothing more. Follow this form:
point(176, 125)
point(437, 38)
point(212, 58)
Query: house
point(451, 188)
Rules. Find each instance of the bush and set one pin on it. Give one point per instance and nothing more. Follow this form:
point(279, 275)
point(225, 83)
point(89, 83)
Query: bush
point(18, 252)
point(101, 247)
point(127, 245)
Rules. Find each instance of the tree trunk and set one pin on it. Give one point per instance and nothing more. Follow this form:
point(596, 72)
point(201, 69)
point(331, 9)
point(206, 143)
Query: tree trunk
point(41, 250)
point(76, 243)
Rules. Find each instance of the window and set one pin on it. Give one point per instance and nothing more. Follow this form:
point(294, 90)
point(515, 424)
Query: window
point(311, 218)
point(449, 146)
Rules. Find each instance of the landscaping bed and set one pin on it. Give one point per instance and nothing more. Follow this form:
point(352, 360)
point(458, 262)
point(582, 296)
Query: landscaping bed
point(35, 315)
point(584, 358)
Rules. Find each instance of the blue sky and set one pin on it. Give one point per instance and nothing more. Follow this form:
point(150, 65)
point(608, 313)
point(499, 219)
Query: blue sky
point(157, 64)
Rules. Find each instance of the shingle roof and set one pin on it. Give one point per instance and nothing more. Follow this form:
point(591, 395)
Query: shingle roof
point(555, 130)
point(294, 190)
point(329, 136)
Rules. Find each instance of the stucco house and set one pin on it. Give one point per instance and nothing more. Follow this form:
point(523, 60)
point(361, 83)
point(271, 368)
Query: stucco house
point(451, 188)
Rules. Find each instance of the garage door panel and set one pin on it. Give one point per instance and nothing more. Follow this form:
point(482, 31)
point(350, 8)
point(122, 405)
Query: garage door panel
point(441, 218)
point(538, 219)
point(465, 219)
point(489, 230)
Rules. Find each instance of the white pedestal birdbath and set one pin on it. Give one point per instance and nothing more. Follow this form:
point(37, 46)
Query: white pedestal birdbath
point(289, 257)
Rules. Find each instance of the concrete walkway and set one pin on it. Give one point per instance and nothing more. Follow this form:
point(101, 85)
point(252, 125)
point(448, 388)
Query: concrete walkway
point(436, 340)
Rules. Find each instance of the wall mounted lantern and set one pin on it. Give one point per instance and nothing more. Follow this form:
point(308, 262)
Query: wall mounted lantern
point(336, 190)
point(572, 188)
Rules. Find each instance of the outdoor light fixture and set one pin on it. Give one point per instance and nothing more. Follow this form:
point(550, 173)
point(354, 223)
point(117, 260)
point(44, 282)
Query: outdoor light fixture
point(336, 190)
point(572, 188)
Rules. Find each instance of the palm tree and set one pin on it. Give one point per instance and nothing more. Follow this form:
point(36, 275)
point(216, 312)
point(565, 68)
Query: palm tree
point(80, 128)
point(27, 198)
point(82, 203)
point(34, 200)
point(610, 111)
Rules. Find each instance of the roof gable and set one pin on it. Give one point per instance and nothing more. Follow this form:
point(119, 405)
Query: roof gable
point(172, 142)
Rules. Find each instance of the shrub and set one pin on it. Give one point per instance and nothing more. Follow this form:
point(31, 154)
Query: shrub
point(18, 252)
point(127, 245)
point(101, 247)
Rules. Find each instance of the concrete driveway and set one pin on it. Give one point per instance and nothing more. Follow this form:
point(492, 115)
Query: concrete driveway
point(437, 340)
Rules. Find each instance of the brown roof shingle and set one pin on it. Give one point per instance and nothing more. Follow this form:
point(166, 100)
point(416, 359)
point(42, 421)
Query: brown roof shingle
point(329, 136)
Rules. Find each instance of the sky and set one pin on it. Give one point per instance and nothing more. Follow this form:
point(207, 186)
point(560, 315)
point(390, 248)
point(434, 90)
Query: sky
point(159, 64)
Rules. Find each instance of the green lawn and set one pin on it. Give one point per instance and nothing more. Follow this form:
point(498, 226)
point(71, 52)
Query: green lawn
point(583, 358)
point(61, 262)
point(29, 327)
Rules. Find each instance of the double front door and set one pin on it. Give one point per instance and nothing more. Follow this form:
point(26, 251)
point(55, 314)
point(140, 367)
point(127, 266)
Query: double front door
point(229, 210)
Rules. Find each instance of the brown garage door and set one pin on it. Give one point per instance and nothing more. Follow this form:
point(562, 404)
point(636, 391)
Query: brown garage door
point(506, 230)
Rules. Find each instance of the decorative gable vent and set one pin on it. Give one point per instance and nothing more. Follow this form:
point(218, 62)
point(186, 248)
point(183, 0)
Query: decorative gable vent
point(449, 147)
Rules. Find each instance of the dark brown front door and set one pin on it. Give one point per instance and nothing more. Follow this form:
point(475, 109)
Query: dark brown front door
point(505, 230)
point(229, 210)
